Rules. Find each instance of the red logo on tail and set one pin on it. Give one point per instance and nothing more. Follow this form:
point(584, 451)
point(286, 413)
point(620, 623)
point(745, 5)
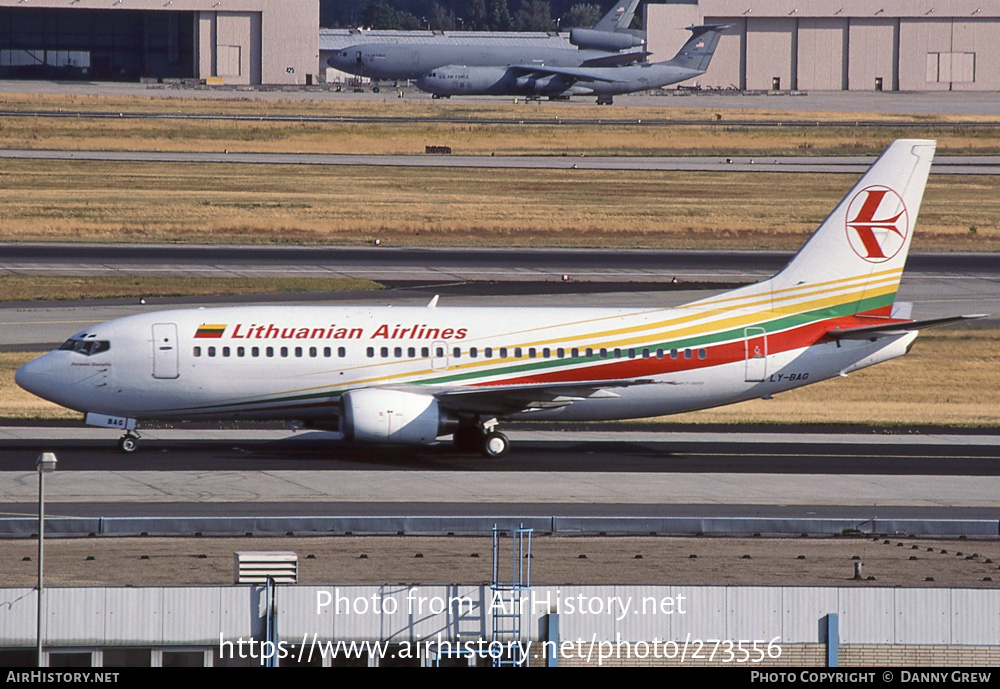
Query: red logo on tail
point(877, 224)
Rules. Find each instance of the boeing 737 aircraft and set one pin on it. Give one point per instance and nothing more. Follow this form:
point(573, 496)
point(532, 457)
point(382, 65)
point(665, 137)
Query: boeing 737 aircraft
point(411, 375)
point(597, 46)
point(561, 82)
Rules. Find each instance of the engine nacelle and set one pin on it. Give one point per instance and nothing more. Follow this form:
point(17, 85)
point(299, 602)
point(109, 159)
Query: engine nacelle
point(591, 39)
point(393, 416)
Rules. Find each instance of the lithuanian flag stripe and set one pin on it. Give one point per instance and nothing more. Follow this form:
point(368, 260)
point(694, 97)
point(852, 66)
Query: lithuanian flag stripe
point(210, 330)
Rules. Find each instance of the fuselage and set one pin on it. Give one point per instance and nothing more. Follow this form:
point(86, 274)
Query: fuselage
point(267, 362)
point(456, 80)
point(392, 61)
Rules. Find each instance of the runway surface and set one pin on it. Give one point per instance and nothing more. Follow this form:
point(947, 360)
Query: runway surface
point(943, 165)
point(567, 466)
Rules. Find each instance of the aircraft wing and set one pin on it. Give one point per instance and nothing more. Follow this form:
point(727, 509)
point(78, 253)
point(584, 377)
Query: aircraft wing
point(507, 399)
point(616, 59)
point(574, 73)
point(866, 332)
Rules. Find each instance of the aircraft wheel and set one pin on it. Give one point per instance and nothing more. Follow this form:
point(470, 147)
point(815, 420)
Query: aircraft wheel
point(128, 444)
point(467, 439)
point(495, 445)
point(375, 89)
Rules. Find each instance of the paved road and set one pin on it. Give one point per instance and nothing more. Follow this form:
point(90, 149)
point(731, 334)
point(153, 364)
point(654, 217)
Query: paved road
point(574, 474)
point(943, 165)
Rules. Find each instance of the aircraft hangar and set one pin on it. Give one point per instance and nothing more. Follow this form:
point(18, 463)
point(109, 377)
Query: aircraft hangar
point(905, 45)
point(240, 42)
point(834, 45)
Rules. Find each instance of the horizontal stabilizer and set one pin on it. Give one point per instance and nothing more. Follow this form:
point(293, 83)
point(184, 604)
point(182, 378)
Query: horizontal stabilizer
point(866, 332)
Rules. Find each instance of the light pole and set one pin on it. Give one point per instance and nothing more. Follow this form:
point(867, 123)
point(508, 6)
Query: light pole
point(46, 464)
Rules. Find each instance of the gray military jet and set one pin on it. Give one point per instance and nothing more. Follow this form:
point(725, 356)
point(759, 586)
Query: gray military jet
point(556, 81)
point(599, 46)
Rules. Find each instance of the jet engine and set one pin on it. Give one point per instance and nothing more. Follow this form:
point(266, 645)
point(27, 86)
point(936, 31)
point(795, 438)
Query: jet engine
point(372, 415)
point(591, 39)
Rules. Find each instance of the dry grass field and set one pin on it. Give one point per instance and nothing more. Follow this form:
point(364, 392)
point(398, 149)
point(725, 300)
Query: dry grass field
point(951, 377)
point(257, 204)
point(70, 287)
point(406, 127)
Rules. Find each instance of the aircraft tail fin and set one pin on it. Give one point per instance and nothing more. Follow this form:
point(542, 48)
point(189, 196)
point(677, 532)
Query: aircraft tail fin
point(852, 263)
point(697, 53)
point(864, 242)
point(619, 17)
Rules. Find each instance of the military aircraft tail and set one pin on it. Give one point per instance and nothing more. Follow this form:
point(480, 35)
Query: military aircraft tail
point(697, 52)
point(619, 17)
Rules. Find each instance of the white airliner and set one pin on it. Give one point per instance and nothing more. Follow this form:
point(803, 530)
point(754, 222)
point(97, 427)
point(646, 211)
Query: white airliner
point(411, 375)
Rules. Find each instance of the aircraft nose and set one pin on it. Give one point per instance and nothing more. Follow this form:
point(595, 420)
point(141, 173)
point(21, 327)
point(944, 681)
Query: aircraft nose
point(35, 377)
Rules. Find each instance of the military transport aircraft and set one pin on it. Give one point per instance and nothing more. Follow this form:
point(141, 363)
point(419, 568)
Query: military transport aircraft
point(533, 80)
point(597, 46)
point(411, 375)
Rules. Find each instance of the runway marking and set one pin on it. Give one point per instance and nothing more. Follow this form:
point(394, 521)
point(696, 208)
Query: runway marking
point(812, 455)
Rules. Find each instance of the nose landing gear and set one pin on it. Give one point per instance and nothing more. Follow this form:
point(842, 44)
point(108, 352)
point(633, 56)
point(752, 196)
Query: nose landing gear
point(129, 443)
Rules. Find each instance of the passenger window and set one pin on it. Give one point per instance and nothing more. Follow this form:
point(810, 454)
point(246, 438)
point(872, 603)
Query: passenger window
point(425, 352)
point(645, 353)
point(284, 352)
point(211, 351)
point(604, 353)
point(398, 352)
point(517, 352)
point(197, 351)
point(673, 353)
point(225, 351)
point(631, 353)
point(473, 352)
point(370, 352)
point(298, 352)
point(546, 352)
point(503, 352)
point(456, 352)
point(590, 353)
point(575, 352)
point(327, 352)
point(687, 353)
point(411, 352)
point(488, 352)
point(618, 353)
point(241, 352)
point(440, 351)
point(270, 352)
point(702, 353)
point(255, 352)
point(313, 352)
point(384, 352)
point(341, 352)
point(531, 353)
point(659, 353)
point(561, 353)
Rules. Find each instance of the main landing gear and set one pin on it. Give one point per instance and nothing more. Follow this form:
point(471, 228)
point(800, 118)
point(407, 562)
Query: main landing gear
point(129, 443)
point(483, 438)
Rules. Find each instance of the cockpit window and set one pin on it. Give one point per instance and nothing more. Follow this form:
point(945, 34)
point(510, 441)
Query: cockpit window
point(86, 347)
